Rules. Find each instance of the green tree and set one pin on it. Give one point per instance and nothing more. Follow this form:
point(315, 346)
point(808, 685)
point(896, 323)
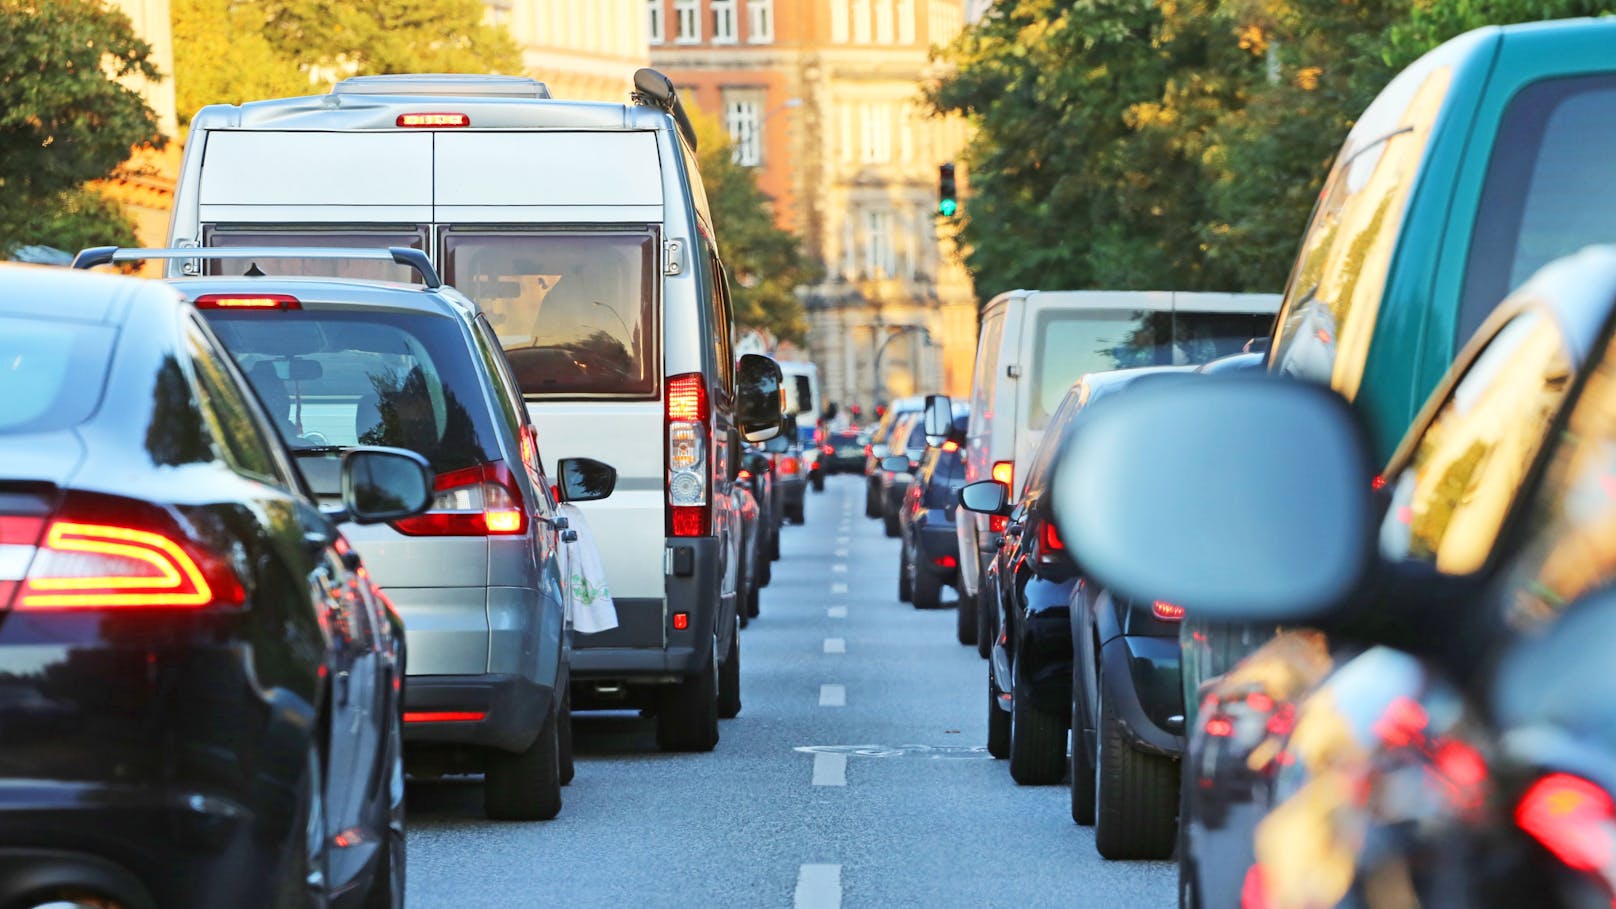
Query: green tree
point(1432, 22)
point(766, 264)
point(65, 119)
point(222, 56)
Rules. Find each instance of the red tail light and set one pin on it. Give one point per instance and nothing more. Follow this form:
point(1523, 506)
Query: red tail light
point(432, 121)
point(18, 535)
point(247, 301)
point(689, 471)
point(945, 561)
point(1049, 537)
point(1259, 702)
point(1572, 818)
point(998, 522)
point(744, 475)
point(828, 450)
point(789, 465)
point(869, 450)
point(1005, 472)
point(473, 502)
point(1283, 720)
point(1167, 612)
point(1219, 727)
point(443, 716)
point(950, 446)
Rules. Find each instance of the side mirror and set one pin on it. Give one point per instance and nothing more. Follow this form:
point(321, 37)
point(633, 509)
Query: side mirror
point(756, 464)
point(757, 397)
point(384, 484)
point(1185, 492)
point(585, 479)
point(895, 464)
point(989, 497)
point(939, 418)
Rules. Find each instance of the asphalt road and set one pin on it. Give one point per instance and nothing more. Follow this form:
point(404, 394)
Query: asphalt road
point(856, 775)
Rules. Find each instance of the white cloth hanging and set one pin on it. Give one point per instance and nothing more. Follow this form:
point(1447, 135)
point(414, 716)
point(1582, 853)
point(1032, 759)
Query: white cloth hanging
point(591, 599)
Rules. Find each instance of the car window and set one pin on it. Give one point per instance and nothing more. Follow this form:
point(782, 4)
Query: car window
point(986, 379)
point(241, 442)
point(1332, 301)
point(365, 269)
point(1548, 192)
point(575, 312)
point(723, 323)
point(1465, 471)
point(51, 373)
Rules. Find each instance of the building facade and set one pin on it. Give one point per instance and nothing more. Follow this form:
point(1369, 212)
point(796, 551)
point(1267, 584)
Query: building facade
point(823, 98)
point(144, 184)
point(584, 50)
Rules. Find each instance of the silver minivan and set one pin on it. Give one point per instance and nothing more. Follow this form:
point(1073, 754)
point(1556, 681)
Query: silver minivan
point(582, 232)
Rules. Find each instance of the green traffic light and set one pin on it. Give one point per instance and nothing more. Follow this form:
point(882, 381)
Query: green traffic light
point(948, 207)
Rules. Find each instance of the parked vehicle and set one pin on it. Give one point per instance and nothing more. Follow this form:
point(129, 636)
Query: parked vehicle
point(907, 441)
point(809, 438)
point(789, 472)
point(1031, 347)
point(1460, 698)
point(752, 559)
point(757, 475)
point(878, 448)
point(844, 451)
point(191, 653)
point(631, 362)
point(928, 559)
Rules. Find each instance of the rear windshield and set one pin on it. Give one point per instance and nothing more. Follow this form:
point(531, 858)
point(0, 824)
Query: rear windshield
point(575, 312)
point(366, 269)
point(1073, 344)
point(332, 380)
point(51, 373)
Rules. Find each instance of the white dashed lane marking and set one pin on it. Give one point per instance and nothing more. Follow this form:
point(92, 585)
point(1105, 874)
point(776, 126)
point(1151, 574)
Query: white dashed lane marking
point(838, 588)
point(837, 612)
point(832, 696)
point(818, 887)
point(830, 769)
point(835, 645)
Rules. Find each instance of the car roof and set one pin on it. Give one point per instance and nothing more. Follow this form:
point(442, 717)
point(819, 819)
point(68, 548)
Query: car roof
point(52, 292)
point(335, 293)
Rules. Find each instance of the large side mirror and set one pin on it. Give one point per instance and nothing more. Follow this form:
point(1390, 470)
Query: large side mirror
point(895, 464)
point(585, 479)
point(384, 484)
point(989, 497)
point(757, 397)
point(1240, 498)
point(939, 418)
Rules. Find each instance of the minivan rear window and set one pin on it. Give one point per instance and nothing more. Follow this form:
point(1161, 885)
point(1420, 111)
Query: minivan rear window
point(1072, 343)
point(575, 312)
point(51, 373)
point(331, 380)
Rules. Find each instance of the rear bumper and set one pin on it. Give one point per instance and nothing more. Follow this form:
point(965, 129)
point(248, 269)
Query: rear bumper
point(514, 709)
point(936, 540)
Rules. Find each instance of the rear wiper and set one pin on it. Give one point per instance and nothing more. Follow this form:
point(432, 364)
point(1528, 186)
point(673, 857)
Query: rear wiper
point(311, 450)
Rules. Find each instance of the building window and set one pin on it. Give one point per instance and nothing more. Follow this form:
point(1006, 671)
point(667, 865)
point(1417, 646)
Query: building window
point(883, 22)
point(743, 118)
point(879, 258)
point(906, 21)
point(760, 28)
point(656, 30)
point(877, 133)
point(724, 22)
point(861, 21)
point(687, 21)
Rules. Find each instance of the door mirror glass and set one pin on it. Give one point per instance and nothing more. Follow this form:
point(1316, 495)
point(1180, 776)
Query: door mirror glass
point(985, 497)
point(585, 479)
point(1238, 498)
point(939, 418)
point(895, 464)
point(757, 397)
point(384, 484)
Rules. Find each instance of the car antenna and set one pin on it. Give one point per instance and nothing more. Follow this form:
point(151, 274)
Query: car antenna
point(253, 271)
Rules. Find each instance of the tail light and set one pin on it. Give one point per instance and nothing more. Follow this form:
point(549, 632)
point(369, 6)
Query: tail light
point(950, 446)
point(869, 450)
point(789, 465)
point(1219, 727)
point(1049, 537)
point(1167, 612)
point(473, 502)
point(998, 522)
point(689, 474)
point(828, 450)
point(247, 301)
point(1005, 472)
point(945, 561)
point(124, 555)
point(744, 475)
point(444, 716)
point(1572, 818)
point(432, 120)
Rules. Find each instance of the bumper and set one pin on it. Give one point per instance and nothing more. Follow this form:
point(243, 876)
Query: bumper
point(646, 649)
point(935, 541)
point(1141, 678)
point(513, 710)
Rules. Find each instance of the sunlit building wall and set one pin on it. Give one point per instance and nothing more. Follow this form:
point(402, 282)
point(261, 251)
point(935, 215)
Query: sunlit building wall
point(584, 50)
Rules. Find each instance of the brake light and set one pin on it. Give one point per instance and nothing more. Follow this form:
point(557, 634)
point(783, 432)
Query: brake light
point(1049, 537)
point(1572, 818)
point(744, 475)
point(998, 522)
point(1004, 472)
point(81, 565)
point(689, 512)
point(1259, 702)
point(472, 502)
point(789, 464)
point(247, 301)
point(432, 121)
point(1219, 727)
point(945, 561)
point(828, 450)
point(1167, 612)
point(950, 446)
point(443, 716)
point(868, 450)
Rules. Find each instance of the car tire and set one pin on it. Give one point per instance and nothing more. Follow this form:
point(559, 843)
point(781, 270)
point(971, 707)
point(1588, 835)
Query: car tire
point(729, 681)
point(1135, 795)
point(525, 785)
point(387, 881)
point(819, 482)
point(1189, 875)
point(905, 579)
point(872, 498)
point(1037, 740)
point(1082, 763)
point(889, 522)
point(797, 516)
point(987, 622)
point(303, 882)
point(965, 630)
point(926, 591)
point(774, 551)
point(687, 719)
point(998, 721)
point(752, 607)
point(569, 767)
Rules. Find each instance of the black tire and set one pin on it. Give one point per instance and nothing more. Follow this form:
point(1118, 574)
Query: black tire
point(987, 620)
point(872, 498)
point(525, 785)
point(729, 681)
point(774, 552)
point(1082, 760)
point(965, 630)
point(1135, 798)
point(303, 882)
point(569, 768)
point(818, 480)
point(687, 718)
point(752, 607)
point(927, 592)
point(796, 515)
point(889, 522)
point(905, 578)
point(998, 721)
point(1037, 740)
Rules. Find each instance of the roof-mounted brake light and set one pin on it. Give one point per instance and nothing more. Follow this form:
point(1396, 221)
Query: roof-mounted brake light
point(247, 301)
point(432, 120)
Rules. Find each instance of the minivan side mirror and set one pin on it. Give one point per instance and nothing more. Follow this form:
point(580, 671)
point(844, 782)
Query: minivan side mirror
point(1241, 498)
point(939, 418)
point(757, 397)
point(895, 464)
point(989, 497)
point(384, 484)
point(585, 479)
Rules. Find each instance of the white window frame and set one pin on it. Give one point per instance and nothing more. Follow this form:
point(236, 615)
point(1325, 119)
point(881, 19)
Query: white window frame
point(743, 119)
point(880, 259)
point(861, 21)
point(687, 11)
point(760, 21)
point(726, 22)
point(656, 21)
point(906, 21)
point(885, 28)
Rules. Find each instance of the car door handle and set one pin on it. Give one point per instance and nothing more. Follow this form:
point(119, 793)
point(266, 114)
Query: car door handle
point(569, 536)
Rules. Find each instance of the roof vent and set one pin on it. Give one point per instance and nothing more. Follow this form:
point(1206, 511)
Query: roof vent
point(444, 84)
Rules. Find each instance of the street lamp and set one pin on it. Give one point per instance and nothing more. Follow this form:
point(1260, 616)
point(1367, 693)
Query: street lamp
point(875, 397)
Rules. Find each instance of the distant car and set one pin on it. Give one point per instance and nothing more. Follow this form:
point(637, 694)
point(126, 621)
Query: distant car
point(812, 455)
point(908, 441)
point(752, 558)
point(757, 473)
point(844, 451)
point(790, 474)
point(200, 700)
point(928, 560)
point(879, 445)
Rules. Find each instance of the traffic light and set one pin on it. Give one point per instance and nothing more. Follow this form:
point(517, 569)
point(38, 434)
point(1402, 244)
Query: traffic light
point(947, 191)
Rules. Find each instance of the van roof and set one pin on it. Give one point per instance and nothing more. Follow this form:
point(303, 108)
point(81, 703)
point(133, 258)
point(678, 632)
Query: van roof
point(377, 110)
point(338, 291)
point(455, 84)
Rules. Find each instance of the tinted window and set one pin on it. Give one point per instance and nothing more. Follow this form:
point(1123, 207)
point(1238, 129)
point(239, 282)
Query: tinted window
point(334, 379)
point(368, 269)
point(51, 373)
point(916, 440)
point(1549, 190)
point(575, 312)
point(1450, 502)
point(229, 416)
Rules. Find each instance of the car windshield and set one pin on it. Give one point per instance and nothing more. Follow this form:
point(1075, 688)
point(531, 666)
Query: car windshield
point(51, 373)
point(334, 379)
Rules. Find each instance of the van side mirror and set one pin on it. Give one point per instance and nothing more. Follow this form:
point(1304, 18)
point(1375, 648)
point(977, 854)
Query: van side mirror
point(989, 497)
point(757, 397)
point(1184, 491)
point(384, 484)
point(939, 418)
point(585, 479)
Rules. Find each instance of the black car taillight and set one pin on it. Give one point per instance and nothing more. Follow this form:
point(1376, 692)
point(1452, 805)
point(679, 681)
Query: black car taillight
point(473, 502)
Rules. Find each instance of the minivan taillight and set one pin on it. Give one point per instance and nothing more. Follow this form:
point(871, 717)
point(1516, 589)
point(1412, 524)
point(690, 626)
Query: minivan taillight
point(471, 502)
point(688, 464)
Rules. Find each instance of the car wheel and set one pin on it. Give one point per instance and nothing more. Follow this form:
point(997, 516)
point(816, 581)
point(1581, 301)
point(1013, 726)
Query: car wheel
point(889, 521)
point(303, 879)
point(926, 590)
point(905, 579)
point(568, 767)
point(729, 681)
point(687, 719)
point(965, 622)
point(1037, 740)
point(998, 721)
point(752, 608)
point(525, 785)
point(987, 621)
point(387, 882)
point(872, 499)
point(1082, 760)
point(1135, 795)
point(819, 482)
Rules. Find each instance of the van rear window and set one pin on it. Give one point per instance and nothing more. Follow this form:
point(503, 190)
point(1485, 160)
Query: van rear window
point(575, 312)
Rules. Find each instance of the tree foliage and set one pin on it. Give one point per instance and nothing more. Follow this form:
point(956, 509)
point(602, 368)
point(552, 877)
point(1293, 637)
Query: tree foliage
point(1172, 144)
point(65, 119)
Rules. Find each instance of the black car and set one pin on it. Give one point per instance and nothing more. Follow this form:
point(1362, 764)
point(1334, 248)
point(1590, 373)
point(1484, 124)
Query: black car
point(790, 474)
point(199, 685)
point(928, 559)
point(908, 445)
point(844, 451)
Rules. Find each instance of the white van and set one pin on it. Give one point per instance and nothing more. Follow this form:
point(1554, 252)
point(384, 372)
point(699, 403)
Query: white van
point(1034, 344)
point(581, 230)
